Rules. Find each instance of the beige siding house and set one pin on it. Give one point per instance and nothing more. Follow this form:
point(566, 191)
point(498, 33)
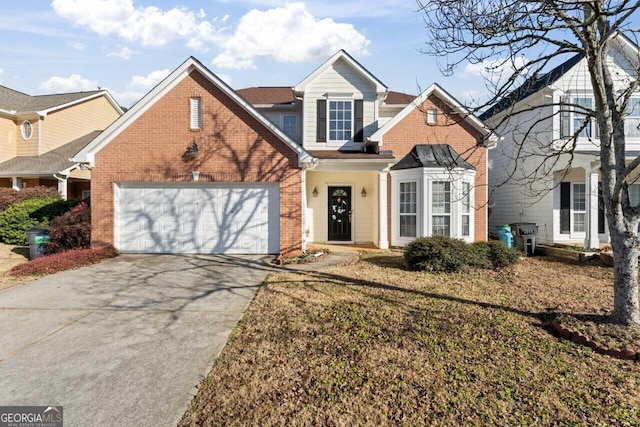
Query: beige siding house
point(40, 134)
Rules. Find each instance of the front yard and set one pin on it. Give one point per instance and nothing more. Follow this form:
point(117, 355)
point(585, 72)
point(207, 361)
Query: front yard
point(375, 344)
point(11, 256)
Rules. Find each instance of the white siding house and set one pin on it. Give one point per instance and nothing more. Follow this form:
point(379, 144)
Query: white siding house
point(539, 173)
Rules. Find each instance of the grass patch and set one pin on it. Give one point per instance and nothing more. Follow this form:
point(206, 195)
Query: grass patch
point(376, 344)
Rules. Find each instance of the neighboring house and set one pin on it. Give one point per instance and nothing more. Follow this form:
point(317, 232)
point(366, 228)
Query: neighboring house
point(40, 134)
point(566, 203)
point(198, 167)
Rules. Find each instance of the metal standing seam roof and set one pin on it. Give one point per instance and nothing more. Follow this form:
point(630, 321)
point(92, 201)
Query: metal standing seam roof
point(48, 163)
point(432, 156)
point(13, 100)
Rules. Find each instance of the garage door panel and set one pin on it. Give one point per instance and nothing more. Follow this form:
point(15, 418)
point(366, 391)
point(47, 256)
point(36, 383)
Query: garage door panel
point(201, 218)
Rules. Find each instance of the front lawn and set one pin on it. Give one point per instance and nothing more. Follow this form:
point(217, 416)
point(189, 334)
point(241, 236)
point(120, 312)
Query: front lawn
point(374, 344)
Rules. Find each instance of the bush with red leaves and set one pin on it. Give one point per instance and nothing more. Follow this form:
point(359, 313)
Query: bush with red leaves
point(9, 196)
point(71, 230)
point(63, 261)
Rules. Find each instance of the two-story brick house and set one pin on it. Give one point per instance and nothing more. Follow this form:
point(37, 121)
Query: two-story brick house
point(198, 167)
point(39, 134)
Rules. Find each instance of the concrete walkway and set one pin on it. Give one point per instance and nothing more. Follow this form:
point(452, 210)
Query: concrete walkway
point(125, 342)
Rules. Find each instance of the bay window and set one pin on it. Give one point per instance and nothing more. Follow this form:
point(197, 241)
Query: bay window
point(408, 209)
point(441, 208)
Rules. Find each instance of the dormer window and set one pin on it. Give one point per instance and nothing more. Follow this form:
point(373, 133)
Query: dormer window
point(340, 120)
point(196, 113)
point(26, 129)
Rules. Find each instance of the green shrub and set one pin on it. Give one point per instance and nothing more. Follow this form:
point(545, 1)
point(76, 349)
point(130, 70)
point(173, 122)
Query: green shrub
point(497, 254)
point(438, 254)
point(9, 196)
point(444, 254)
point(21, 216)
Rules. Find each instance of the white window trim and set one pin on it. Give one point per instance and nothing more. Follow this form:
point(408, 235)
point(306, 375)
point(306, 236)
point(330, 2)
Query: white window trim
point(577, 110)
point(424, 178)
point(433, 112)
point(417, 212)
point(337, 142)
point(577, 234)
point(443, 214)
point(22, 131)
point(635, 117)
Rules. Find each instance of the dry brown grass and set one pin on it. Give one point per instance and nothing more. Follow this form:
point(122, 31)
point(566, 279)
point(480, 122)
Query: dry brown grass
point(374, 344)
point(11, 256)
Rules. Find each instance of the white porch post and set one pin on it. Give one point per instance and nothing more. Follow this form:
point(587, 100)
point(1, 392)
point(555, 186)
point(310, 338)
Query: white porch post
point(62, 187)
point(591, 179)
point(383, 241)
point(16, 183)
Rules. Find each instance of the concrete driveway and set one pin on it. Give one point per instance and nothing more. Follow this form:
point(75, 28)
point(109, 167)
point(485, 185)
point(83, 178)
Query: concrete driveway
point(123, 342)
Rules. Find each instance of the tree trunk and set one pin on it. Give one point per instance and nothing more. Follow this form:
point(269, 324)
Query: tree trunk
point(626, 309)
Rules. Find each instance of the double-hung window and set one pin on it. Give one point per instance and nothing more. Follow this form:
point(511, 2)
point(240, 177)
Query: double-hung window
point(441, 208)
point(580, 116)
point(340, 120)
point(632, 120)
point(579, 207)
point(465, 215)
point(408, 209)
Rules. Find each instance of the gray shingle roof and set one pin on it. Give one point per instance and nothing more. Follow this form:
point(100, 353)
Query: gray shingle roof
point(21, 102)
point(49, 163)
point(432, 156)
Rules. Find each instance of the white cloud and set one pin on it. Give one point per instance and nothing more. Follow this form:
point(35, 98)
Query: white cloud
point(494, 68)
point(73, 83)
point(225, 78)
point(150, 25)
point(138, 87)
point(287, 34)
point(148, 81)
point(123, 52)
point(76, 45)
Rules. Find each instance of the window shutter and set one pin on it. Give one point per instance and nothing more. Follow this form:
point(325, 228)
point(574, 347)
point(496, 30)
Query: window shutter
point(321, 128)
point(358, 120)
point(600, 210)
point(565, 121)
point(195, 113)
point(565, 208)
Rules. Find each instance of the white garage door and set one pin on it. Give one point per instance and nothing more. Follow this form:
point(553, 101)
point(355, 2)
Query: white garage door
point(197, 218)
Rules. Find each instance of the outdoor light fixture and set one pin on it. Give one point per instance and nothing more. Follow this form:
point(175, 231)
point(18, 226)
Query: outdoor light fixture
point(196, 175)
point(363, 192)
point(315, 192)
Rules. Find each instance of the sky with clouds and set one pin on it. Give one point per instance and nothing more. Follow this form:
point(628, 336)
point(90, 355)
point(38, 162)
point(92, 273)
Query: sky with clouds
point(128, 46)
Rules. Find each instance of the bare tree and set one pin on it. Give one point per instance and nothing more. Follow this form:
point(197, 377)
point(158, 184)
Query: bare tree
point(521, 40)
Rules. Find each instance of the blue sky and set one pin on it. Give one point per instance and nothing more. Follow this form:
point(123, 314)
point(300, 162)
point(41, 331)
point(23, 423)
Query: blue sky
point(127, 46)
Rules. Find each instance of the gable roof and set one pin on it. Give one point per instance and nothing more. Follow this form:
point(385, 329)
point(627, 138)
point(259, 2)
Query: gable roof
point(442, 94)
point(268, 95)
point(54, 161)
point(87, 154)
point(17, 102)
point(432, 156)
point(531, 86)
point(341, 54)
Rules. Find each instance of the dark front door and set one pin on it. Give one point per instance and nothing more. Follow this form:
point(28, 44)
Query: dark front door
point(340, 214)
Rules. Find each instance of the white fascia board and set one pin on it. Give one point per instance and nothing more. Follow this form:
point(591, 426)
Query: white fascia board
point(444, 96)
point(10, 114)
point(87, 154)
point(43, 113)
point(341, 54)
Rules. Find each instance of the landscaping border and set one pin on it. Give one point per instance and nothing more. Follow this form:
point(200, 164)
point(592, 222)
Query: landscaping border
point(578, 337)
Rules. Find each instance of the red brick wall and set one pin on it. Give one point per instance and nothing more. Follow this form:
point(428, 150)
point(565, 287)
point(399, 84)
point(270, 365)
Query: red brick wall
point(233, 147)
point(75, 189)
point(413, 130)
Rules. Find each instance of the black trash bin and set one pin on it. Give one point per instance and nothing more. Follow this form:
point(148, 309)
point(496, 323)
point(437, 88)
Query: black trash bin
point(38, 239)
point(525, 236)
